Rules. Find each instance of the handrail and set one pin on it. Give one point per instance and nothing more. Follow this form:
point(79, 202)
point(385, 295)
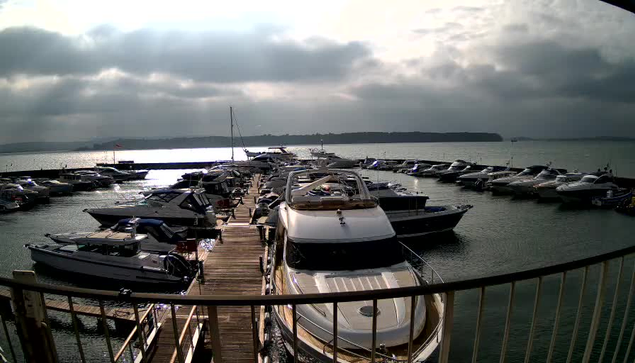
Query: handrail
point(240, 300)
point(132, 333)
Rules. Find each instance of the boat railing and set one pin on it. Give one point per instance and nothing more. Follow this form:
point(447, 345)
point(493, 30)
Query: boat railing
point(421, 266)
point(589, 319)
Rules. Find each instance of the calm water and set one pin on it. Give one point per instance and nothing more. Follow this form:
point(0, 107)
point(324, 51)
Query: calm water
point(498, 235)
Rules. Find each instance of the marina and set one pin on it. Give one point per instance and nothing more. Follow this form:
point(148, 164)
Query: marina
point(232, 266)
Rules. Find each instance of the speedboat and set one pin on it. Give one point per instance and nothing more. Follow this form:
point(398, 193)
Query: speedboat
point(367, 162)
point(409, 215)
point(118, 175)
point(405, 166)
point(417, 169)
point(56, 187)
point(381, 165)
point(526, 187)
point(547, 190)
point(589, 187)
point(174, 207)
point(450, 176)
point(473, 180)
point(501, 185)
point(433, 171)
point(155, 235)
point(333, 237)
point(115, 256)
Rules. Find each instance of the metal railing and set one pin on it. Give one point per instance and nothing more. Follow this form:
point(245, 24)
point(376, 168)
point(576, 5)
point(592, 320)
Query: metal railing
point(606, 335)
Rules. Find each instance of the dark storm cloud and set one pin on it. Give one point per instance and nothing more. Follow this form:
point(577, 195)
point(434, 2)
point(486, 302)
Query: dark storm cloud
point(208, 56)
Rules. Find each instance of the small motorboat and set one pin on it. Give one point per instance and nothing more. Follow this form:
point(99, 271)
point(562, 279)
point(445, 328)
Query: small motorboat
point(417, 169)
point(100, 180)
point(547, 190)
point(8, 206)
point(405, 166)
point(79, 182)
point(478, 179)
point(118, 175)
point(26, 199)
point(451, 176)
point(115, 256)
point(589, 187)
point(501, 184)
point(433, 171)
point(456, 166)
point(613, 199)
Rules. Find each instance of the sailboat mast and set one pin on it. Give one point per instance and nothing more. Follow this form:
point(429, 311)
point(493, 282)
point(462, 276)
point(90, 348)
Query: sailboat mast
point(231, 121)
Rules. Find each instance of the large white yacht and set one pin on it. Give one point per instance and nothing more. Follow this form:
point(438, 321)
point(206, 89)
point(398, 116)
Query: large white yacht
point(501, 185)
point(174, 207)
point(333, 237)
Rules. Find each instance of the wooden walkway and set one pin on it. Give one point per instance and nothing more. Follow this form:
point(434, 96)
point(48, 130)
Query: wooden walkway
point(231, 268)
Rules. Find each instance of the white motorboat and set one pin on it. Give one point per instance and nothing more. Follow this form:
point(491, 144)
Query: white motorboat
point(589, 187)
point(501, 184)
point(56, 187)
point(115, 256)
point(457, 165)
point(433, 171)
point(381, 165)
point(526, 187)
point(100, 181)
point(479, 178)
point(25, 198)
point(333, 237)
point(174, 207)
point(417, 169)
point(275, 152)
point(405, 166)
point(547, 190)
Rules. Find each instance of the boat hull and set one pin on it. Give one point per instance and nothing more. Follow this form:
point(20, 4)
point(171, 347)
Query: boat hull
point(99, 269)
point(410, 224)
point(109, 220)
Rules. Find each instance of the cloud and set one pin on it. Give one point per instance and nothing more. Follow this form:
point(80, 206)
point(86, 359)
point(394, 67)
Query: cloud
point(260, 55)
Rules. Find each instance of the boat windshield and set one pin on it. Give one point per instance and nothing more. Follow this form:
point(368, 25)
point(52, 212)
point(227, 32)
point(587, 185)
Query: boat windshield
point(127, 250)
point(546, 174)
point(526, 172)
point(162, 197)
point(562, 178)
point(589, 179)
point(344, 256)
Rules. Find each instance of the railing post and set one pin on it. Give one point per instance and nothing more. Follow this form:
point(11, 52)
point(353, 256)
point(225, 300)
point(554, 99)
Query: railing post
point(254, 333)
point(597, 313)
point(479, 323)
point(448, 320)
point(212, 318)
point(30, 320)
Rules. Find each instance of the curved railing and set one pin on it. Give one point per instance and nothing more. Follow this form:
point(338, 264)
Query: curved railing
point(208, 304)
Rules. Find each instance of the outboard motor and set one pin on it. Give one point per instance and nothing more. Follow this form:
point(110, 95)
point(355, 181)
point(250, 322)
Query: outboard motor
point(177, 265)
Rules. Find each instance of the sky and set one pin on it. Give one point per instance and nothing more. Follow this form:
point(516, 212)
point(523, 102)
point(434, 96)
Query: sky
point(79, 70)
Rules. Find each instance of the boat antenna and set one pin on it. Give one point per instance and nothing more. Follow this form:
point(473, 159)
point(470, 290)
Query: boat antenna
point(231, 123)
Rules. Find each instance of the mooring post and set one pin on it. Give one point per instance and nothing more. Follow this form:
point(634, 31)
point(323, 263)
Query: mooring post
point(31, 323)
point(214, 333)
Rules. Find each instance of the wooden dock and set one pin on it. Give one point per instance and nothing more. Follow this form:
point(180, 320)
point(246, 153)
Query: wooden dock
point(231, 268)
